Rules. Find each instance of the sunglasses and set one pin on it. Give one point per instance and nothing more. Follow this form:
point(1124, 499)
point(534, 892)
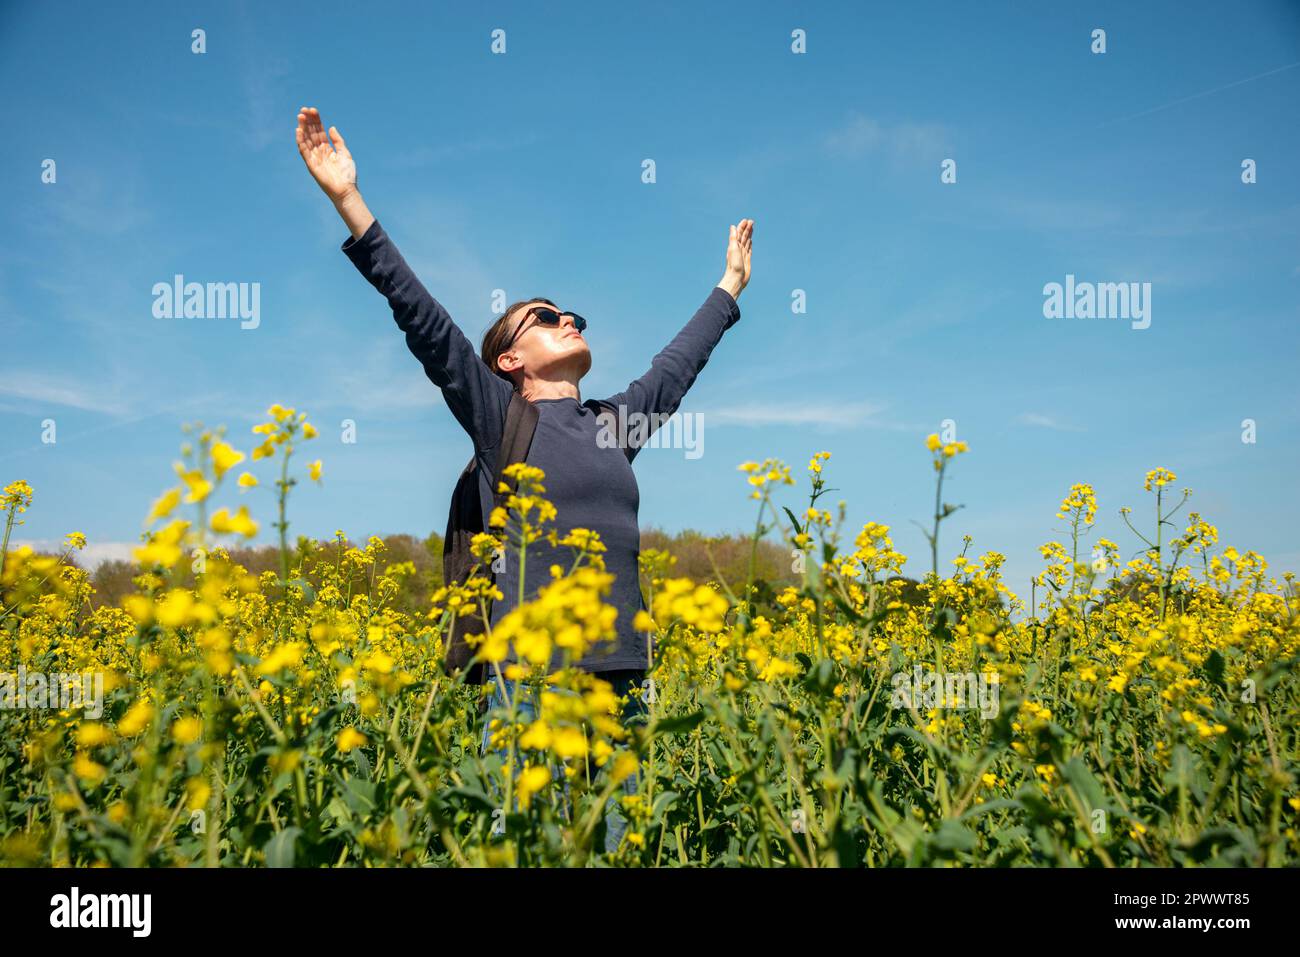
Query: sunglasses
point(547, 317)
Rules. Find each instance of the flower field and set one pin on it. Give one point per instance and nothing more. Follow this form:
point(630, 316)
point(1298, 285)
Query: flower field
point(1134, 712)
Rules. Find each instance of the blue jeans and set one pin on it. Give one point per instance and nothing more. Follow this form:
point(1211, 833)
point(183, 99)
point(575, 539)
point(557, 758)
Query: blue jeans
point(634, 712)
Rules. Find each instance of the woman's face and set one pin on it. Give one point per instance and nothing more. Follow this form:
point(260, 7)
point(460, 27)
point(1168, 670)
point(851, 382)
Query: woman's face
point(546, 351)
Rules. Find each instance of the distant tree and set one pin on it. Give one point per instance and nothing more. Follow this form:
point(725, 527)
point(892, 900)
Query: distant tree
point(701, 557)
point(705, 558)
point(112, 581)
point(433, 544)
point(416, 588)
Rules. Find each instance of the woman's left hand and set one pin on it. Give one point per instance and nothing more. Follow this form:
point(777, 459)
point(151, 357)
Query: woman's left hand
point(739, 248)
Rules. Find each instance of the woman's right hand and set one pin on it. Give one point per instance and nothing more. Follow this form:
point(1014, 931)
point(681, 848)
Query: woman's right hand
point(331, 166)
point(333, 169)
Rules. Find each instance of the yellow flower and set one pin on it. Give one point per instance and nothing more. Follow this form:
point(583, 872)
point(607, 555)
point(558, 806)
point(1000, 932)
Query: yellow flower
point(164, 545)
point(531, 779)
point(1159, 477)
point(378, 661)
point(136, 719)
point(285, 656)
point(313, 470)
point(92, 735)
point(350, 738)
point(16, 497)
point(494, 648)
point(624, 764)
point(247, 480)
point(197, 793)
point(199, 487)
point(569, 742)
point(537, 737)
point(224, 458)
point(241, 523)
point(164, 506)
point(1081, 500)
point(771, 471)
point(285, 762)
point(87, 770)
point(187, 730)
point(176, 608)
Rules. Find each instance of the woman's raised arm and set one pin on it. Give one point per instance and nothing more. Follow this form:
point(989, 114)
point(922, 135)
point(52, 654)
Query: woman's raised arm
point(477, 397)
point(672, 372)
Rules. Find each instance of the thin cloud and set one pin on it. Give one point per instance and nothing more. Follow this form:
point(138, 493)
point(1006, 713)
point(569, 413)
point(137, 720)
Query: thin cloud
point(261, 73)
point(1046, 214)
point(832, 414)
point(1038, 420)
point(1196, 96)
point(45, 390)
point(903, 143)
point(176, 409)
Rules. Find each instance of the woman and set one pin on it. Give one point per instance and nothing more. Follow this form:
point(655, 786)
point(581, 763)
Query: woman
point(540, 352)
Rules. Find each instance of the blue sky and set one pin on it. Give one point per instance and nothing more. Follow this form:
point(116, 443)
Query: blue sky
point(522, 172)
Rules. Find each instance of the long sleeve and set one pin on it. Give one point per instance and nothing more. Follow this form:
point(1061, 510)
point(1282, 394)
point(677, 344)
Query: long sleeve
point(672, 372)
point(477, 397)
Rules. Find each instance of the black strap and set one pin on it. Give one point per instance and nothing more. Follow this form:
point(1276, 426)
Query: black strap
point(517, 436)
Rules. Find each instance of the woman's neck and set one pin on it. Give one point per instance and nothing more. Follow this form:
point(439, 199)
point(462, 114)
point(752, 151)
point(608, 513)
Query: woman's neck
point(534, 389)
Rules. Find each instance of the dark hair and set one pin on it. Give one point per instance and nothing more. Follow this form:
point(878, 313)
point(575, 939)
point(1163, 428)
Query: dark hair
point(498, 334)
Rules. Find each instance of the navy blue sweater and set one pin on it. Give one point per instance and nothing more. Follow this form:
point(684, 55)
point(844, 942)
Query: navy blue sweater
point(591, 484)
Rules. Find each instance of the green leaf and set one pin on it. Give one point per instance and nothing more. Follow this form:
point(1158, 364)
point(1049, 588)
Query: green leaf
point(361, 762)
point(1214, 667)
point(999, 804)
point(1085, 784)
point(279, 849)
point(360, 795)
point(663, 801)
point(474, 796)
point(821, 678)
point(793, 521)
point(951, 838)
point(677, 725)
